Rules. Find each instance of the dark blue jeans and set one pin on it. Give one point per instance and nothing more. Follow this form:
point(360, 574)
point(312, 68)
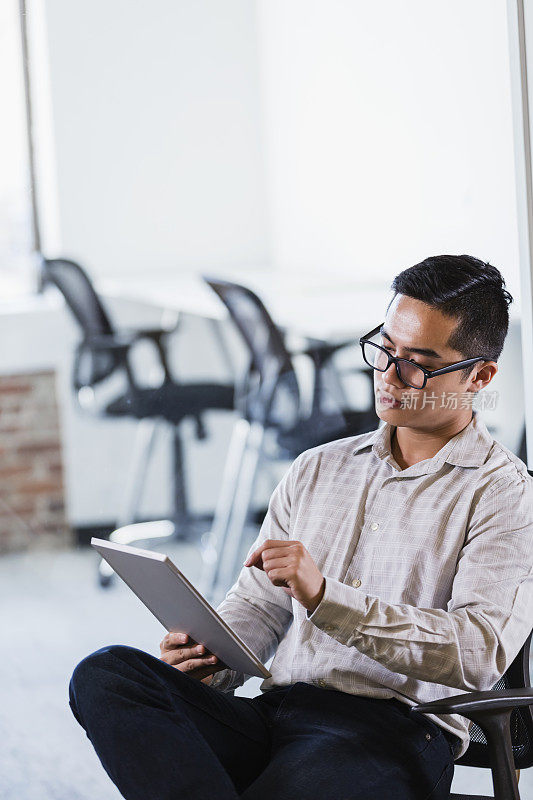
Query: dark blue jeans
point(162, 735)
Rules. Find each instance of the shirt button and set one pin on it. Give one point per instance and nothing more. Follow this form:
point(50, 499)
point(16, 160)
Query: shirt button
point(321, 682)
point(374, 526)
point(428, 736)
point(356, 583)
point(328, 628)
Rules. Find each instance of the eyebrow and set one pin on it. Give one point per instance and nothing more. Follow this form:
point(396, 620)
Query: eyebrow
point(423, 351)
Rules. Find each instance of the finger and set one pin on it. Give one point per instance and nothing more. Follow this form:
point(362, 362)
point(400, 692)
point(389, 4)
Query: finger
point(209, 670)
point(175, 658)
point(255, 557)
point(206, 672)
point(277, 563)
point(181, 647)
point(178, 654)
point(262, 558)
point(279, 577)
point(194, 664)
point(281, 552)
point(180, 637)
point(174, 639)
point(254, 560)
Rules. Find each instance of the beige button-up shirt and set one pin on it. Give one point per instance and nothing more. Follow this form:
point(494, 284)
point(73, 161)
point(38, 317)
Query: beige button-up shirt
point(429, 572)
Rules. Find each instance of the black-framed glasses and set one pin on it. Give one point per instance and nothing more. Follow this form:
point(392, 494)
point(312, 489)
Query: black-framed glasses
point(408, 372)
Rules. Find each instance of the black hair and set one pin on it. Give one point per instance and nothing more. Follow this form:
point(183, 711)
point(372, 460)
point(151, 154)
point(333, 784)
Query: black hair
point(468, 289)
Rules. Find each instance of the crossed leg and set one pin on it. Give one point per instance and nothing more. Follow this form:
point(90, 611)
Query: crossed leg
point(163, 734)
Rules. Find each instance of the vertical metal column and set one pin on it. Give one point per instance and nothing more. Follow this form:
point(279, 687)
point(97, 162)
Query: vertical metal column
point(214, 542)
point(229, 557)
point(143, 444)
point(524, 197)
point(180, 511)
point(36, 233)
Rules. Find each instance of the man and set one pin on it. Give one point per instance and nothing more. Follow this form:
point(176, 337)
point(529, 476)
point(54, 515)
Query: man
point(392, 568)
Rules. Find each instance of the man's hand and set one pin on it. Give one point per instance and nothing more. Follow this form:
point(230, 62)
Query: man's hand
point(180, 651)
point(288, 564)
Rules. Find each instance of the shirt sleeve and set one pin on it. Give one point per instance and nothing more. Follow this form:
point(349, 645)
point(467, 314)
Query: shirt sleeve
point(470, 645)
point(259, 612)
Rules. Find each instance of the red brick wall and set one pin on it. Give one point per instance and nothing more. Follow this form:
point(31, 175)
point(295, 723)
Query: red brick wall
point(32, 505)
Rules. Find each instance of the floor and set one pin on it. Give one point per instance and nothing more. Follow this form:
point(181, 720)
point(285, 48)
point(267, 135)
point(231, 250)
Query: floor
point(53, 614)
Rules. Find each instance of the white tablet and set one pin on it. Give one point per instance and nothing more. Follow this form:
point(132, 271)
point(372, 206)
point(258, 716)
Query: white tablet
point(177, 604)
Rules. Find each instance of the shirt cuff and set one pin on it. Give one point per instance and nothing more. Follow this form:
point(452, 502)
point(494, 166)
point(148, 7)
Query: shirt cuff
point(338, 611)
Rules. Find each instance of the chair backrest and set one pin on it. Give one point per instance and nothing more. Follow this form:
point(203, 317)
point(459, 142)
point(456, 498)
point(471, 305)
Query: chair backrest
point(72, 281)
point(262, 337)
point(269, 356)
point(516, 677)
point(75, 286)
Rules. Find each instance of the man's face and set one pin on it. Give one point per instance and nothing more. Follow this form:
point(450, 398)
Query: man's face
point(411, 324)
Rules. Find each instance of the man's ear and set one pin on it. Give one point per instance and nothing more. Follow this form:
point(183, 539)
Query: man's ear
point(482, 375)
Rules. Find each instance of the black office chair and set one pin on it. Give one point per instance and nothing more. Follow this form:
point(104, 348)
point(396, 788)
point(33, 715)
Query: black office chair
point(102, 355)
point(501, 737)
point(269, 402)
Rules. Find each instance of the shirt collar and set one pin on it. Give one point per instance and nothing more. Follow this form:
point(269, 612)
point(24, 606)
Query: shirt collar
point(468, 448)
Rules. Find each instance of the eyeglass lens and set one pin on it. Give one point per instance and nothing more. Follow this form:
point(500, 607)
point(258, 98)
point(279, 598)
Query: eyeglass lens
point(378, 359)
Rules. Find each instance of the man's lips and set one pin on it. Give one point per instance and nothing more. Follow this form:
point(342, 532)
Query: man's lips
point(387, 400)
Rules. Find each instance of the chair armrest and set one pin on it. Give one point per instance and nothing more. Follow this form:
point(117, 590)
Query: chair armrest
point(116, 343)
point(320, 353)
point(156, 334)
point(478, 701)
point(491, 711)
point(123, 341)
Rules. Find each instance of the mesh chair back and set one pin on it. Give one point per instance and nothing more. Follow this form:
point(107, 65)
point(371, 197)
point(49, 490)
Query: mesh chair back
point(270, 358)
point(85, 305)
point(261, 335)
point(516, 677)
point(82, 300)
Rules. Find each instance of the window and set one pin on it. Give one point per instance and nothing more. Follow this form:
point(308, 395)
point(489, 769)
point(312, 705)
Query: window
point(16, 214)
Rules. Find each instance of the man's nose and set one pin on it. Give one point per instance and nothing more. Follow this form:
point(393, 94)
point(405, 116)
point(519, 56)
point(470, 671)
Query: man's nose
point(390, 376)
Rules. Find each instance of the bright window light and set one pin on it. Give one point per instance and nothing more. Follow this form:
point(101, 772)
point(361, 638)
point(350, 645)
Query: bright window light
point(16, 235)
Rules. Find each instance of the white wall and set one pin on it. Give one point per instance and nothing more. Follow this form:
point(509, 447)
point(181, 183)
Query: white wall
point(148, 132)
point(388, 129)
point(157, 130)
